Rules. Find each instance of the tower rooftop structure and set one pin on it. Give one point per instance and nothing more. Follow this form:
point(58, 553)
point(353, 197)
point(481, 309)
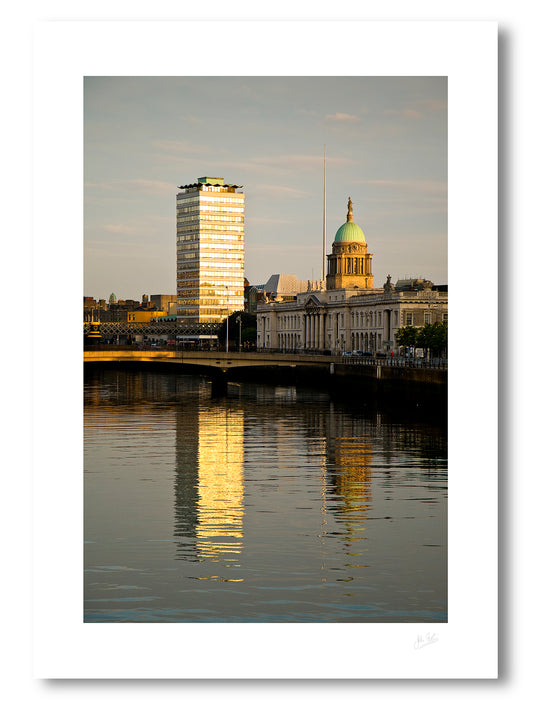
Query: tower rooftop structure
point(349, 264)
point(350, 231)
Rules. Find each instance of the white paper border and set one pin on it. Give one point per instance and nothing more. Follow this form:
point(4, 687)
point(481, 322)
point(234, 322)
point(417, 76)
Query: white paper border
point(65, 647)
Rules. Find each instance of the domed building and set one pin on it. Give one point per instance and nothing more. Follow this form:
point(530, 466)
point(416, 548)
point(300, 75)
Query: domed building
point(350, 316)
point(349, 264)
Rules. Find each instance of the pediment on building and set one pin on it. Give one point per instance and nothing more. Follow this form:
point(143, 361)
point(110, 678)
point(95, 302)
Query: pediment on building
point(312, 303)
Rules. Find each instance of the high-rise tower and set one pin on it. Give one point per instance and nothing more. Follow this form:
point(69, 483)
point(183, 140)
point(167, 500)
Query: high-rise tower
point(209, 250)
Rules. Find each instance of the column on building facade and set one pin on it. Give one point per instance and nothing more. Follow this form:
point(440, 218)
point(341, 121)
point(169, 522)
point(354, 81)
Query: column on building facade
point(321, 331)
point(347, 329)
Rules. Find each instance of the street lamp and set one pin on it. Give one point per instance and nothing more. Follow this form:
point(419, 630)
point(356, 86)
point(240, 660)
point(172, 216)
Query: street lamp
point(227, 320)
point(239, 320)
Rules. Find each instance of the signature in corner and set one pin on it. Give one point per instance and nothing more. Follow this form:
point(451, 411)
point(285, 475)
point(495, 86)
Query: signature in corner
point(428, 639)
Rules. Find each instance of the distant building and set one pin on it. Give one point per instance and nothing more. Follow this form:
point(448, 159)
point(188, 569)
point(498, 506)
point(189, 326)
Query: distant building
point(162, 301)
point(252, 296)
point(93, 309)
point(413, 285)
point(144, 316)
point(209, 250)
point(285, 286)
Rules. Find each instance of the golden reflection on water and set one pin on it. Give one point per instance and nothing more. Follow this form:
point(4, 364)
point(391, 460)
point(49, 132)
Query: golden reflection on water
point(352, 482)
point(220, 508)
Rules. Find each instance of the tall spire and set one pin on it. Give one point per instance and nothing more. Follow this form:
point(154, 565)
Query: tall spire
point(349, 217)
point(324, 269)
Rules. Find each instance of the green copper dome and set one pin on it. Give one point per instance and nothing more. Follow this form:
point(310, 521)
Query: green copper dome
point(350, 231)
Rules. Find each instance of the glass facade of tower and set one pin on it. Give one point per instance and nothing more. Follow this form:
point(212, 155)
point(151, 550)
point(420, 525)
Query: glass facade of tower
point(209, 250)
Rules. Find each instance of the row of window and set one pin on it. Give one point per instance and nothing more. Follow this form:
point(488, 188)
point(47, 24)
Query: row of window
point(358, 320)
point(196, 197)
point(209, 218)
point(237, 198)
point(206, 231)
point(411, 319)
point(217, 313)
point(196, 209)
point(221, 257)
point(204, 262)
point(206, 239)
point(221, 209)
point(207, 287)
point(219, 297)
point(203, 246)
point(211, 276)
point(222, 304)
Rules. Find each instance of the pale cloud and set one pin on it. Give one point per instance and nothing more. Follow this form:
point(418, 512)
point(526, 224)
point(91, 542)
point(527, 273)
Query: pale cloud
point(192, 118)
point(274, 248)
point(267, 221)
point(432, 187)
point(407, 113)
point(120, 229)
point(342, 117)
point(182, 147)
point(302, 161)
point(418, 109)
point(283, 191)
point(128, 185)
point(433, 105)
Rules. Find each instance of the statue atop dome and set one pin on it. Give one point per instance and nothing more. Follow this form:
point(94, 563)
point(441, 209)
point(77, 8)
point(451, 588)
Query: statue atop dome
point(349, 217)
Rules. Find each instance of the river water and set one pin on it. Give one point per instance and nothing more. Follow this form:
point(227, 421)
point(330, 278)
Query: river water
point(271, 504)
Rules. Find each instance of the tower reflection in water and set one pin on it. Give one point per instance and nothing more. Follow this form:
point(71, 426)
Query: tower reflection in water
point(209, 487)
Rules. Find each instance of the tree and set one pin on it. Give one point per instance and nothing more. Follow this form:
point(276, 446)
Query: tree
point(248, 328)
point(432, 337)
point(407, 336)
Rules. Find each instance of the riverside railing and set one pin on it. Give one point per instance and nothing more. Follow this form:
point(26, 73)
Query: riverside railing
point(365, 360)
point(408, 362)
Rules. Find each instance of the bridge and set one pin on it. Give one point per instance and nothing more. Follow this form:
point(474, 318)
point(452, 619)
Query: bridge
point(398, 377)
point(223, 361)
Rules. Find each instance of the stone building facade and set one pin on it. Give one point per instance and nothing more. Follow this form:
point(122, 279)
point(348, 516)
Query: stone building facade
point(350, 315)
point(345, 320)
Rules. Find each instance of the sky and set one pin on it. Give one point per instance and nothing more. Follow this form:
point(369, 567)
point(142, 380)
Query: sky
point(386, 148)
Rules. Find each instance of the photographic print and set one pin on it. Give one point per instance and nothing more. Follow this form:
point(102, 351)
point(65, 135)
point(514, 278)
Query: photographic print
point(260, 430)
point(266, 380)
